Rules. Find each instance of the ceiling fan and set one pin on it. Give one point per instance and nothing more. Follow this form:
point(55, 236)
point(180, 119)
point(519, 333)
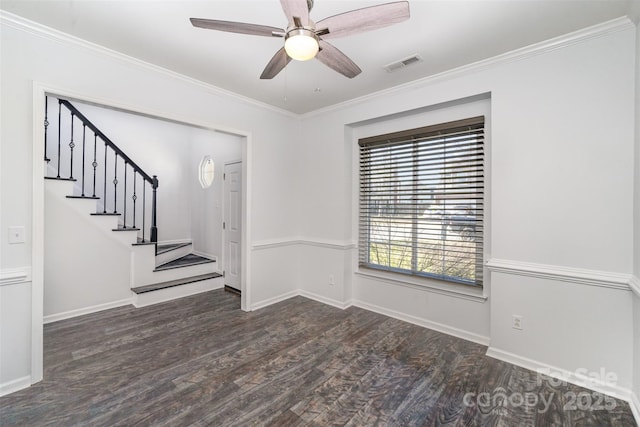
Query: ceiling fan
point(305, 39)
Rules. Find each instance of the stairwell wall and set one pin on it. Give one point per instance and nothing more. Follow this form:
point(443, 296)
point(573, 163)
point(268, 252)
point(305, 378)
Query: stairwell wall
point(32, 53)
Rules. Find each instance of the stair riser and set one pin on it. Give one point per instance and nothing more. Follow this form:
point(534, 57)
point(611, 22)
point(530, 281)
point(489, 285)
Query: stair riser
point(168, 294)
point(174, 254)
point(143, 263)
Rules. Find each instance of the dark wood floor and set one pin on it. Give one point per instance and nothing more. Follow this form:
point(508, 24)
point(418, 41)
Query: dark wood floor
point(201, 361)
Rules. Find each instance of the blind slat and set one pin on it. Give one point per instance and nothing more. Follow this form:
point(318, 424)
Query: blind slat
point(421, 201)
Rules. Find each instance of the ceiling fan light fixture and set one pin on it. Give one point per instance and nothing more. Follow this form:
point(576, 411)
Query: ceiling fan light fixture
point(301, 44)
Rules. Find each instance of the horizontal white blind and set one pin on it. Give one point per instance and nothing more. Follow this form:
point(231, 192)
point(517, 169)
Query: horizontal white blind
point(421, 201)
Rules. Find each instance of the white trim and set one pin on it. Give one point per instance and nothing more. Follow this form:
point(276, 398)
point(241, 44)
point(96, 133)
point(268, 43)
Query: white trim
point(562, 374)
point(86, 310)
point(324, 300)
point(14, 276)
point(37, 235)
point(598, 30)
point(634, 404)
point(582, 276)
point(37, 29)
point(290, 241)
point(450, 289)
point(15, 385)
point(634, 284)
point(445, 329)
point(274, 300)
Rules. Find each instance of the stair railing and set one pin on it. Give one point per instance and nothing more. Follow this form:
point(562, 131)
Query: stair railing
point(113, 151)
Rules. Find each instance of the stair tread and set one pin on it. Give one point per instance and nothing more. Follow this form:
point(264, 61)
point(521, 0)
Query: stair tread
point(172, 283)
point(185, 261)
point(125, 229)
point(141, 243)
point(167, 247)
point(54, 178)
point(106, 213)
point(83, 197)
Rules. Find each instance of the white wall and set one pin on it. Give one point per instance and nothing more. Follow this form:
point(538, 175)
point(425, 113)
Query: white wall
point(561, 202)
point(31, 54)
point(86, 264)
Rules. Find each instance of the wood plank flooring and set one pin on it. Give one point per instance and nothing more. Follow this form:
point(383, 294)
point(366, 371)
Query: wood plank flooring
point(202, 361)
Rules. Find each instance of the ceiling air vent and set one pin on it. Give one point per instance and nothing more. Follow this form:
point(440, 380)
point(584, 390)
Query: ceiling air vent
point(397, 65)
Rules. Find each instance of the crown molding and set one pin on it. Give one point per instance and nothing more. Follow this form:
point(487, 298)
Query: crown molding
point(604, 279)
point(39, 30)
point(598, 30)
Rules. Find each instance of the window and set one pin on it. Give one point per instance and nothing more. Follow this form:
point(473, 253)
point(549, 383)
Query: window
point(421, 201)
point(206, 172)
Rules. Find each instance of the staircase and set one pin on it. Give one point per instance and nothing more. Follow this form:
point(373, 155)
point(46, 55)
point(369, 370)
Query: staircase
point(90, 182)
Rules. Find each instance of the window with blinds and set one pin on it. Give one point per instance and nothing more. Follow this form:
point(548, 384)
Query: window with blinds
point(421, 201)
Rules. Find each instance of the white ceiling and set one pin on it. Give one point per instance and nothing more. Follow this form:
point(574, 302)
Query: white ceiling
point(446, 34)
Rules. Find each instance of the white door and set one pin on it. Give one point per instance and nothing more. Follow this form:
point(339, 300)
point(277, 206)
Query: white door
point(232, 226)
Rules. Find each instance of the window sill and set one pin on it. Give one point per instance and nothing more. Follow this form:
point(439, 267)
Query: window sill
point(450, 289)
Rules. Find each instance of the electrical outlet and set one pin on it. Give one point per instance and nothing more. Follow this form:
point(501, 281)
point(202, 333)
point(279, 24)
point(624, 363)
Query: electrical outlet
point(331, 280)
point(16, 235)
point(516, 321)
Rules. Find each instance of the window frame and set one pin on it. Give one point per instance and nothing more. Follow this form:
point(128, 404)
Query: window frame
point(394, 273)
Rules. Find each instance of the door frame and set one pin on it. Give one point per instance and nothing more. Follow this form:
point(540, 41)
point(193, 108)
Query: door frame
point(224, 229)
point(40, 90)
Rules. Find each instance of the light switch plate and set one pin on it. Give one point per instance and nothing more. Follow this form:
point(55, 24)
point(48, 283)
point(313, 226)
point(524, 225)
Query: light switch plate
point(16, 235)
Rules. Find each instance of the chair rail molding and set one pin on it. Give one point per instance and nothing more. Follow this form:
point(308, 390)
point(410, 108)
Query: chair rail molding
point(604, 279)
point(13, 276)
point(297, 240)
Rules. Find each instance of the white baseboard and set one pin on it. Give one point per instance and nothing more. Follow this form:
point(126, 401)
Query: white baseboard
point(274, 300)
point(15, 385)
point(564, 375)
point(425, 323)
point(86, 310)
point(329, 301)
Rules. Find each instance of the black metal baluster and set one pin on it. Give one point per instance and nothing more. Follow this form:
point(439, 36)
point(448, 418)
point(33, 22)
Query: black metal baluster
point(59, 120)
point(124, 198)
point(134, 197)
point(46, 125)
point(115, 185)
point(154, 227)
point(71, 145)
point(104, 201)
point(94, 164)
point(84, 132)
point(144, 206)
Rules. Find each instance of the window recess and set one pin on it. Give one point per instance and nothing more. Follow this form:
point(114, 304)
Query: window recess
point(421, 201)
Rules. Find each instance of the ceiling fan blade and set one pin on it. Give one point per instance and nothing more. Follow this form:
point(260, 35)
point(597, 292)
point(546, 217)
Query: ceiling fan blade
point(237, 27)
point(333, 58)
point(365, 19)
point(296, 9)
point(277, 63)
